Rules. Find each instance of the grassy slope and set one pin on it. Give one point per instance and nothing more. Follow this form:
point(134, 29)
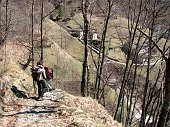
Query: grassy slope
point(66, 59)
point(66, 67)
point(64, 40)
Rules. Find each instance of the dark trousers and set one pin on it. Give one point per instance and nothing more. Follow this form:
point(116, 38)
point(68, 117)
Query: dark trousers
point(41, 88)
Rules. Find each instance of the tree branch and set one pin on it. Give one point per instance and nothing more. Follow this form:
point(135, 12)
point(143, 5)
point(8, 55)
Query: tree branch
point(49, 13)
point(159, 49)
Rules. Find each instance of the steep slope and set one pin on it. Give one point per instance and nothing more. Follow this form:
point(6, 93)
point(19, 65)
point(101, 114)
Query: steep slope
point(61, 37)
point(66, 67)
point(58, 108)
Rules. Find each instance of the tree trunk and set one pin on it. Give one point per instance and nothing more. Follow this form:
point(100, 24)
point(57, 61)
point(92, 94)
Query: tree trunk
point(87, 80)
point(110, 5)
point(83, 82)
point(32, 32)
point(84, 11)
point(42, 6)
point(28, 62)
point(6, 31)
point(0, 25)
point(166, 103)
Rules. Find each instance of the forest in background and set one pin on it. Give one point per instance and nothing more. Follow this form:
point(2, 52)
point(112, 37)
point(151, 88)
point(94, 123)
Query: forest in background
point(141, 86)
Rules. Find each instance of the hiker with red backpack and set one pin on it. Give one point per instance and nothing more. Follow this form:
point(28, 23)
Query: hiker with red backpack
point(41, 76)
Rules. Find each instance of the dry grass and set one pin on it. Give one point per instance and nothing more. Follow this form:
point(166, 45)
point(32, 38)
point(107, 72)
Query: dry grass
point(65, 66)
point(89, 108)
point(61, 37)
point(65, 60)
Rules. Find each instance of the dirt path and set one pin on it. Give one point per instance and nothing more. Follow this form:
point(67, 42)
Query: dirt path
point(34, 113)
point(58, 109)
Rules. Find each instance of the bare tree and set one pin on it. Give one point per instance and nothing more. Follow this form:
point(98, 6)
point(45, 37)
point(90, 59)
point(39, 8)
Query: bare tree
point(41, 41)
point(146, 16)
point(163, 118)
point(84, 6)
point(0, 23)
point(107, 11)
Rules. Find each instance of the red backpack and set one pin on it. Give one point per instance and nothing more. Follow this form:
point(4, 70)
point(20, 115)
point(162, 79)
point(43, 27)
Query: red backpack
point(48, 72)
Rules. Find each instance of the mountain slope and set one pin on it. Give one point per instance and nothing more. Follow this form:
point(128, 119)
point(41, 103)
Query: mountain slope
point(65, 66)
point(58, 108)
point(61, 37)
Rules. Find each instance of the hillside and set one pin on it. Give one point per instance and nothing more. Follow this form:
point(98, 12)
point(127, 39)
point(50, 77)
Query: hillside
point(61, 37)
point(58, 108)
point(62, 62)
point(71, 111)
point(117, 31)
point(128, 84)
point(64, 55)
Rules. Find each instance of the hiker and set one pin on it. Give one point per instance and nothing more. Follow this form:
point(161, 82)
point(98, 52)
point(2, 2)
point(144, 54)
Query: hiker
point(47, 75)
point(39, 76)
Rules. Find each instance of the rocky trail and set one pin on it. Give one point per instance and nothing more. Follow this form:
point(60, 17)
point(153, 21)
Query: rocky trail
point(35, 113)
point(57, 109)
